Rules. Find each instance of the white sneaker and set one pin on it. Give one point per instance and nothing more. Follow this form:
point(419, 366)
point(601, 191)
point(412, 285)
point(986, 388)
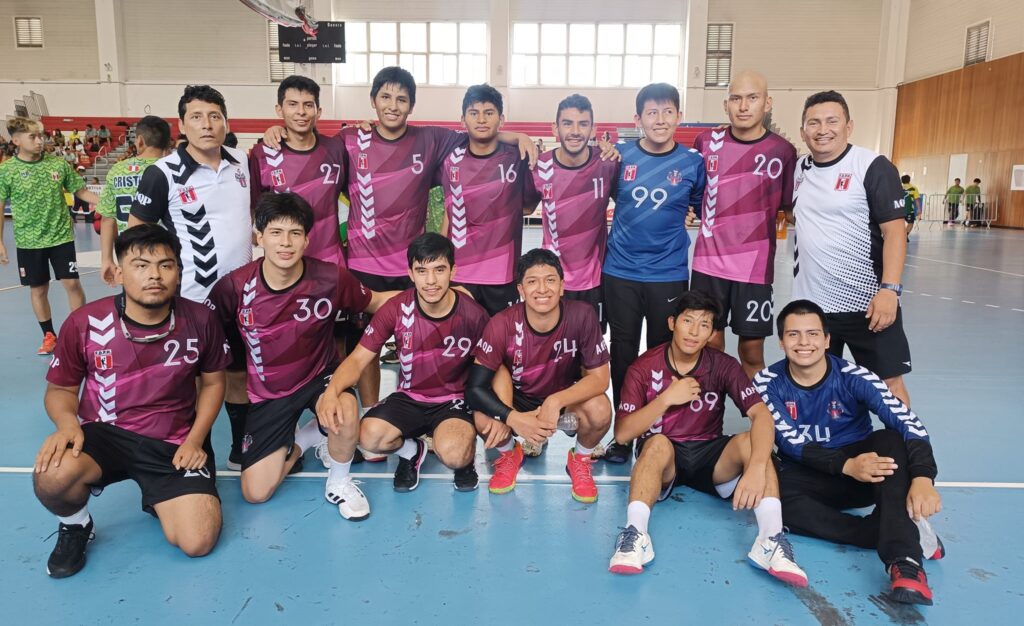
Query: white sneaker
point(633, 550)
point(775, 556)
point(931, 545)
point(352, 504)
point(320, 452)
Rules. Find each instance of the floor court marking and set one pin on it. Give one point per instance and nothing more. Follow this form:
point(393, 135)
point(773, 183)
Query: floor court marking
point(973, 267)
point(52, 280)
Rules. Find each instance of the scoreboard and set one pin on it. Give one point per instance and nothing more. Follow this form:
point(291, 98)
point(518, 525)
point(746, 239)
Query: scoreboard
point(328, 46)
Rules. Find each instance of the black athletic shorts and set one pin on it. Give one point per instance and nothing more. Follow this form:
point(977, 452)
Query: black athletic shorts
point(122, 455)
point(494, 298)
point(695, 464)
point(595, 298)
point(34, 264)
point(270, 424)
point(910, 218)
point(886, 353)
point(413, 418)
point(352, 329)
point(746, 307)
point(525, 403)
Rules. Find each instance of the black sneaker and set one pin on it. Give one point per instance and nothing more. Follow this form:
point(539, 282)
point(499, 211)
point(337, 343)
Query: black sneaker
point(618, 452)
point(407, 476)
point(909, 583)
point(466, 478)
point(68, 556)
point(390, 358)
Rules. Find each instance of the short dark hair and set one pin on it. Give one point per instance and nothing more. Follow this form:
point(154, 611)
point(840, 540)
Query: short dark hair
point(578, 102)
point(285, 206)
point(484, 94)
point(658, 92)
point(977, 180)
point(203, 93)
point(431, 247)
point(146, 237)
point(535, 257)
point(821, 98)
point(800, 307)
point(231, 140)
point(155, 132)
point(905, 179)
point(299, 83)
point(956, 179)
point(697, 300)
point(394, 75)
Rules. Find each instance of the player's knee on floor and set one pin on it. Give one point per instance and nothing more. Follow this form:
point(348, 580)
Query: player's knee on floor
point(198, 544)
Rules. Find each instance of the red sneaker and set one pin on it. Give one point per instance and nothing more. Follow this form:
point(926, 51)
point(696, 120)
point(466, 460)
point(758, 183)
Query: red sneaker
point(909, 583)
point(578, 468)
point(49, 343)
point(506, 467)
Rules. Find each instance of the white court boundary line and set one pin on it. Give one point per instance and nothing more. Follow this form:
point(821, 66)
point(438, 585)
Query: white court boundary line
point(537, 478)
point(973, 267)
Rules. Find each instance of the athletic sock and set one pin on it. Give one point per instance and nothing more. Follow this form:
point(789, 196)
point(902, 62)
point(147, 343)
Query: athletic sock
point(236, 416)
point(308, 436)
point(339, 471)
point(81, 518)
point(637, 515)
point(408, 449)
point(725, 489)
point(769, 518)
point(508, 445)
point(581, 450)
point(47, 326)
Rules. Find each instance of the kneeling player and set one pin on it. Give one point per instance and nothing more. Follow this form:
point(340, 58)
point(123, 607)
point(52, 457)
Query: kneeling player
point(674, 400)
point(435, 329)
point(137, 416)
point(284, 306)
point(558, 360)
point(833, 459)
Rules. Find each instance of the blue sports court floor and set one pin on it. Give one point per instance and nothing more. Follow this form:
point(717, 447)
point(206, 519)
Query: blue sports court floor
point(535, 556)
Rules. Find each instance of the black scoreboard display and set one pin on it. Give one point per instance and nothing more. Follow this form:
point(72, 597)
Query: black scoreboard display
point(328, 46)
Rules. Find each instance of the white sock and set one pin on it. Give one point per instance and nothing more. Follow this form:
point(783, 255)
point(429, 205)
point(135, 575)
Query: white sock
point(339, 471)
point(508, 445)
point(80, 518)
point(637, 515)
point(308, 436)
point(408, 449)
point(582, 450)
point(769, 518)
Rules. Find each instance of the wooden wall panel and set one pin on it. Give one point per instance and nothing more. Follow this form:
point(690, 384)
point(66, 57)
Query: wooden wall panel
point(974, 110)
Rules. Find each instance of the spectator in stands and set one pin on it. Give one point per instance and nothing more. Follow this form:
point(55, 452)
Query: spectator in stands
point(93, 146)
point(58, 137)
point(972, 202)
point(953, 201)
point(104, 135)
point(74, 137)
point(70, 156)
point(90, 133)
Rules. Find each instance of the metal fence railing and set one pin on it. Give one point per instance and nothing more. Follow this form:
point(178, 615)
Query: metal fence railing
point(967, 209)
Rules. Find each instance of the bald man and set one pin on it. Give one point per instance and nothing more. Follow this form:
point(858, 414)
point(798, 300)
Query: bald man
point(749, 180)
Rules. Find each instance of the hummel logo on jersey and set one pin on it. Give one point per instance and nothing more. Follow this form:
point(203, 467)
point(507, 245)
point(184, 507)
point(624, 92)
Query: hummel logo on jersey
point(187, 195)
point(363, 162)
point(547, 192)
point(103, 359)
point(453, 173)
point(675, 177)
point(278, 177)
point(712, 163)
point(843, 182)
point(240, 177)
point(629, 173)
point(791, 408)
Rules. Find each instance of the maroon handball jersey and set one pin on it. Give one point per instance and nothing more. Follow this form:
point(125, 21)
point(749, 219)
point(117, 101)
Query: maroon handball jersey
point(719, 375)
point(318, 175)
point(434, 354)
point(288, 334)
point(389, 183)
point(484, 198)
point(145, 388)
point(544, 363)
point(574, 203)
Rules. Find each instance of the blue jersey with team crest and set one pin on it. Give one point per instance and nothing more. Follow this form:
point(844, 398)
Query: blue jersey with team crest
point(648, 241)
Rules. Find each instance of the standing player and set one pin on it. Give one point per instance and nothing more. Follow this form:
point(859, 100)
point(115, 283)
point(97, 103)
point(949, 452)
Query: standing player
point(911, 203)
point(138, 414)
point(284, 305)
point(558, 360)
point(645, 269)
point(749, 180)
point(43, 233)
point(851, 241)
point(200, 192)
point(575, 186)
point(833, 459)
point(674, 401)
point(435, 329)
point(487, 190)
point(152, 141)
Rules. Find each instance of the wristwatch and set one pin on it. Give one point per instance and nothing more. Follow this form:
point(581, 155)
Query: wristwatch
point(897, 287)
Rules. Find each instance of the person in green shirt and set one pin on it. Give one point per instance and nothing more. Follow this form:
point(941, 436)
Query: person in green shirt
point(953, 201)
point(152, 141)
point(972, 201)
point(43, 233)
point(911, 203)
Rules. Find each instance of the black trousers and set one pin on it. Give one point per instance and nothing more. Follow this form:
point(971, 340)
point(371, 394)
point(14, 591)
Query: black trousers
point(627, 304)
point(812, 502)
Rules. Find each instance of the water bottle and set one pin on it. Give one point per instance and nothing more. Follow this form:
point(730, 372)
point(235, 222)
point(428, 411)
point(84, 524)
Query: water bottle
point(781, 225)
point(568, 422)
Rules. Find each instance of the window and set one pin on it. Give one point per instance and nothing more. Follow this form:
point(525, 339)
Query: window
point(435, 53)
point(278, 70)
point(589, 55)
point(28, 32)
point(718, 65)
point(976, 50)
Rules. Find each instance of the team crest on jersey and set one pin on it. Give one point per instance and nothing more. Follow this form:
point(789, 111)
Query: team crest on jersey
point(629, 173)
point(453, 173)
point(843, 182)
point(791, 407)
point(675, 177)
point(240, 177)
point(547, 192)
point(363, 162)
point(517, 358)
point(54, 175)
point(407, 341)
point(134, 169)
point(277, 176)
point(835, 410)
point(103, 359)
point(246, 318)
point(712, 163)
point(188, 195)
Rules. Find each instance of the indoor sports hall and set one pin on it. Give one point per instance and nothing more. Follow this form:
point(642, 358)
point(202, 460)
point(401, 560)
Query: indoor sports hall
point(934, 85)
